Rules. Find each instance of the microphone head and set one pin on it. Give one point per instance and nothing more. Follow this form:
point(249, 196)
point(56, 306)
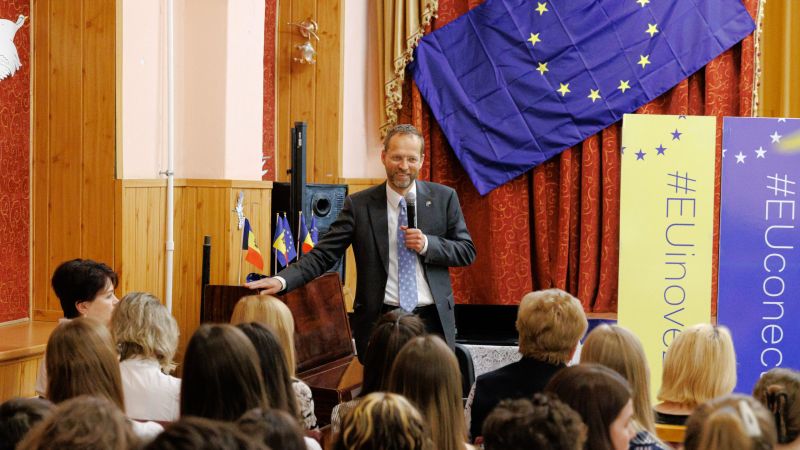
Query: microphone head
point(411, 198)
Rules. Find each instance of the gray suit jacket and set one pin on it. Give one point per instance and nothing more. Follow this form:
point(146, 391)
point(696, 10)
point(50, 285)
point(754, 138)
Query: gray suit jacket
point(363, 224)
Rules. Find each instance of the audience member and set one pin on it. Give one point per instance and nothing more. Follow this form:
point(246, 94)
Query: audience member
point(778, 391)
point(147, 338)
point(197, 433)
point(383, 421)
point(550, 325)
point(277, 429)
point(620, 350)
point(700, 364)
point(17, 416)
point(604, 401)
point(732, 422)
point(274, 371)
point(82, 423)
point(81, 360)
point(85, 288)
point(426, 373)
point(393, 330)
point(221, 374)
point(273, 313)
point(542, 424)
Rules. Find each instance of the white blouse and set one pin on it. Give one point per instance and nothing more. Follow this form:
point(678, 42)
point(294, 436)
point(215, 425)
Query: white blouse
point(149, 393)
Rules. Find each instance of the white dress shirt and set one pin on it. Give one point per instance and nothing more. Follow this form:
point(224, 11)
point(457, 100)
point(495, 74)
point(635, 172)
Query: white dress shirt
point(424, 296)
point(149, 393)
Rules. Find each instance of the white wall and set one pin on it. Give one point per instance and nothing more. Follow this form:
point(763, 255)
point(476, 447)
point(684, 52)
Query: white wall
point(219, 51)
point(361, 145)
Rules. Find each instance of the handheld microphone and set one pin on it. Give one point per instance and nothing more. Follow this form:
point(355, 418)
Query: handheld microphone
point(411, 209)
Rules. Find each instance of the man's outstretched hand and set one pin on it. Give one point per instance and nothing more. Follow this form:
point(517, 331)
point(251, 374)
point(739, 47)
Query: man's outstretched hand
point(267, 285)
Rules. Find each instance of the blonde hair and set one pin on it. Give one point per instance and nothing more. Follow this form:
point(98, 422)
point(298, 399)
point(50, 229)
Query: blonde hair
point(620, 350)
point(270, 311)
point(383, 421)
point(550, 325)
point(142, 326)
point(722, 424)
point(699, 365)
point(426, 372)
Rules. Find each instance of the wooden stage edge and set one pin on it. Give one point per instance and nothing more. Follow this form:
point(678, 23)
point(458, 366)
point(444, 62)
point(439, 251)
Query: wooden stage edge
point(22, 348)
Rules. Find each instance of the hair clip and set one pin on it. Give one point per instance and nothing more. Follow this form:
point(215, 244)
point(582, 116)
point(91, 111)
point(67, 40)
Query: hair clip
point(749, 419)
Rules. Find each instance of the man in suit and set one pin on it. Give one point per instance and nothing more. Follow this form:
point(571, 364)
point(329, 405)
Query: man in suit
point(550, 325)
point(397, 266)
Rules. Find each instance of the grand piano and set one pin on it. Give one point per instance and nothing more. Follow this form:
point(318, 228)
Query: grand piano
point(323, 342)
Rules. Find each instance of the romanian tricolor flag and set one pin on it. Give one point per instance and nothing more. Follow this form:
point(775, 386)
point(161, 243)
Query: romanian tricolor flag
point(253, 255)
point(308, 238)
point(279, 243)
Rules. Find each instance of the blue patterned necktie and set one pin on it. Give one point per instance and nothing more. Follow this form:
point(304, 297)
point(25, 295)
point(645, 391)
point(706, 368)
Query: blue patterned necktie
point(406, 265)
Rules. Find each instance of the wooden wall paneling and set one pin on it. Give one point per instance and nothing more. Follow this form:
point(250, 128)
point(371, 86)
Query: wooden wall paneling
point(779, 92)
point(328, 99)
point(98, 129)
point(283, 89)
point(40, 176)
point(18, 377)
point(304, 85)
point(66, 177)
point(187, 264)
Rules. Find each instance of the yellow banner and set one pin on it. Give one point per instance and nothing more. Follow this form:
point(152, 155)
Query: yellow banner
point(666, 229)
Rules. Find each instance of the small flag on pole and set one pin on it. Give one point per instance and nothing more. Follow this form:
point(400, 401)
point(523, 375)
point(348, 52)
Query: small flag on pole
point(279, 243)
point(306, 240)
point(291, 251)
point(253, 255)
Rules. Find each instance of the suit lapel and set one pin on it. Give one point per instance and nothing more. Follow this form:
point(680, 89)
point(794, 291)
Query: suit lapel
point(380, 224)
point(423, 206)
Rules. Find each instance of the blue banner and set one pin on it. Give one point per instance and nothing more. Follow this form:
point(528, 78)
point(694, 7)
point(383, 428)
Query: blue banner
point(513, 83)
point(759, 245)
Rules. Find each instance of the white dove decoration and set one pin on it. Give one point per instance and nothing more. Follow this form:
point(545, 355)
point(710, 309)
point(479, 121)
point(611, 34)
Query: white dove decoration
point(9, 59)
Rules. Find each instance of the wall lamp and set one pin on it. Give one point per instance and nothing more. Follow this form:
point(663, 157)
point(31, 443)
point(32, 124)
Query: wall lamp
point(306, 54)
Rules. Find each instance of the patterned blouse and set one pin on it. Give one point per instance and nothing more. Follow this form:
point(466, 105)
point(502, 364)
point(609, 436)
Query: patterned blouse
point(306, 403)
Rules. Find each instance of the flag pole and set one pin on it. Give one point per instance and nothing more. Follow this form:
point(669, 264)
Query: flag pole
point(297, 243)
point(275, 250)
point(241, 253)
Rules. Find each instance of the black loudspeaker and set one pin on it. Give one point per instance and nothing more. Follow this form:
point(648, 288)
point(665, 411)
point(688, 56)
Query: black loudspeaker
point(325, 201)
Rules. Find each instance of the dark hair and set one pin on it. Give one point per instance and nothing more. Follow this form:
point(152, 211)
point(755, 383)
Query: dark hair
point(274, 428)
point(545, 423)
point(221, 375)
point(274, 370)
point(426, 372)
point(390, 334)
point(779, 391)
point(81, 360)
point(17, 416)
point(80, 280)
point(403, 129)
point(82, 423)
point(595, 392)
point(197, 433)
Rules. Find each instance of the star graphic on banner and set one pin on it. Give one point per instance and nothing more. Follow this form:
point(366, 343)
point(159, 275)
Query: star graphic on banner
point(775, 137)
point(652, 29)
point(594, 94)
point(740, 158)
point(542, 68)
point(623, 85)
point(676, 135)
point(760, 152)
point(534, 39)
point(724, 150)
point(644, 60)
point(782, 119)
point(661, 149)
point(564, 89)
point(542, 8)
point(643, 2)
point(640, 155)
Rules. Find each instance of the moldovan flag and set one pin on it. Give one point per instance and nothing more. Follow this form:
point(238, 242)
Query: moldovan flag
point(253, 255)
point(666, 229)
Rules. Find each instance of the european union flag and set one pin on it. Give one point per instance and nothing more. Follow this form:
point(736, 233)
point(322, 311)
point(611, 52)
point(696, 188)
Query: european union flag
point(513, 83)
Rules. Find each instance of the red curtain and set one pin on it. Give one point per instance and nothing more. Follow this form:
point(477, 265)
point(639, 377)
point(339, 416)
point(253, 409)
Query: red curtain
point(558, 225)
